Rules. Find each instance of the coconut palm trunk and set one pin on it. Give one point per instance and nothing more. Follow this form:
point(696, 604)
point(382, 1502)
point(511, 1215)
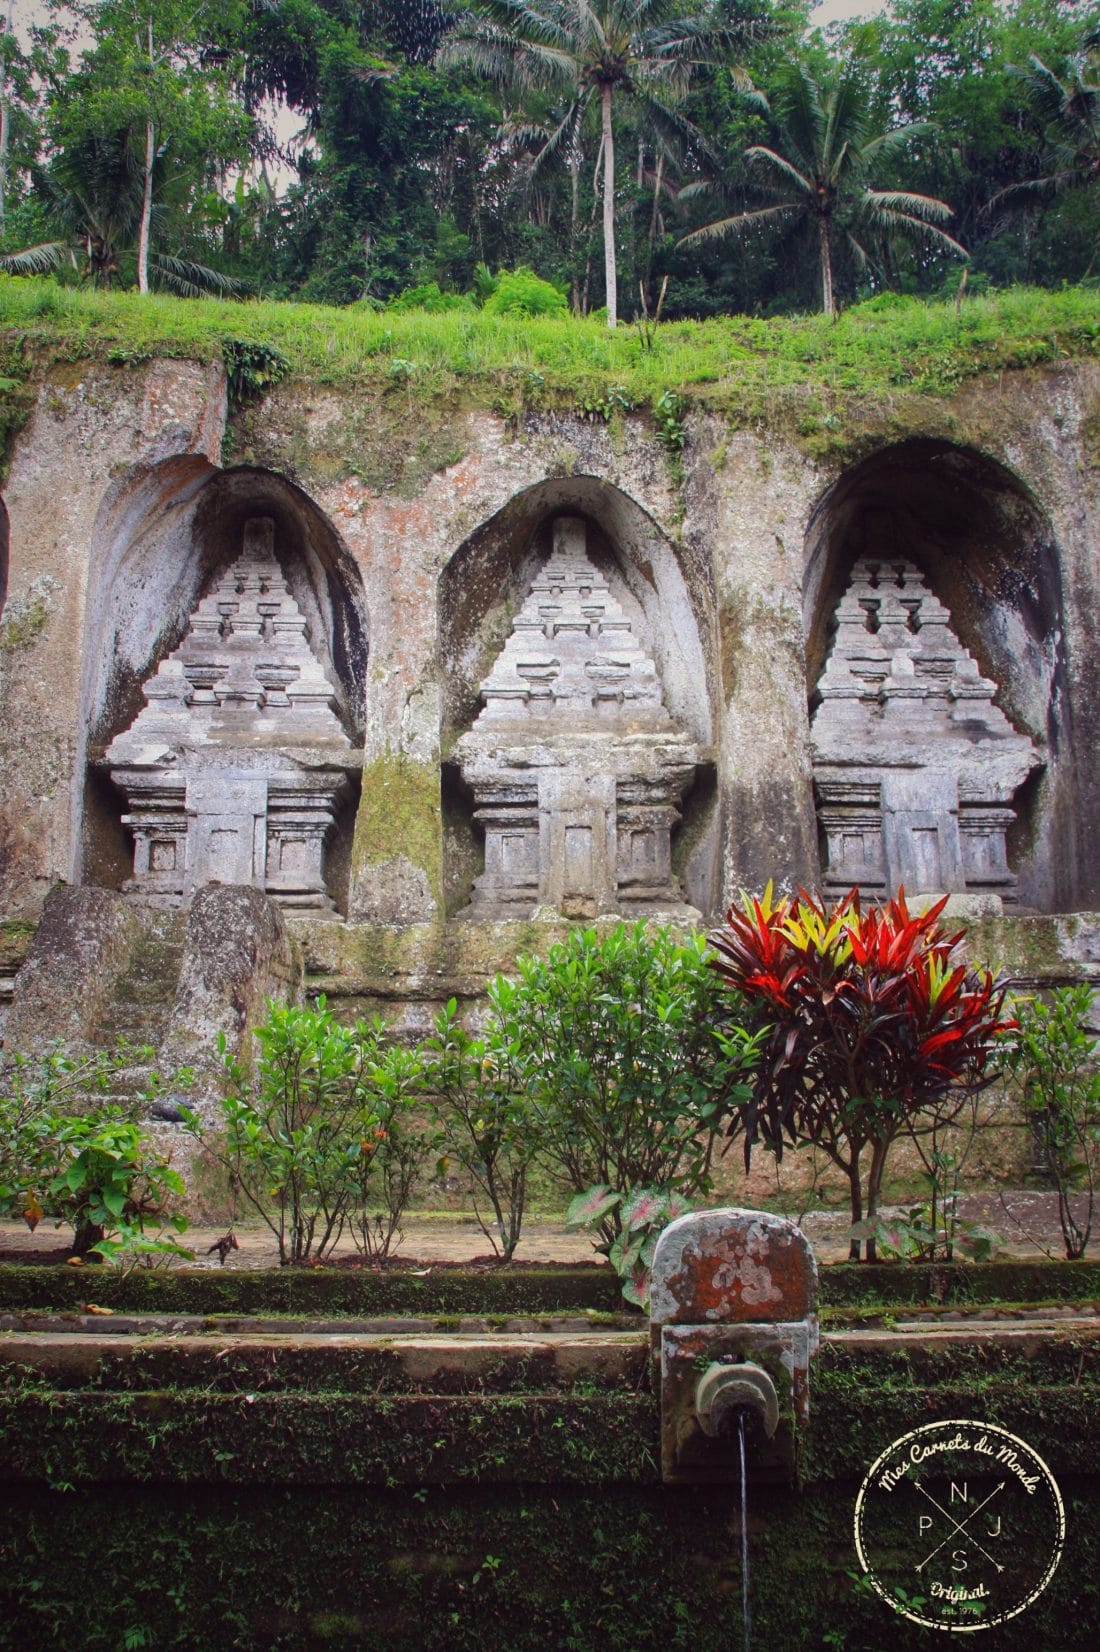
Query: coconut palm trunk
point(146, 209)
point(5, 120)
point(611, 277)
point(147, 191)
point(827, 301)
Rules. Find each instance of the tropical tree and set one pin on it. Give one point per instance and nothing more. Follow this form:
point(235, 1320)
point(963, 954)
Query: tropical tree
point(92, 196)
point(817, 175)
point(158, 69)
point(595, 53)
point(1068, 112)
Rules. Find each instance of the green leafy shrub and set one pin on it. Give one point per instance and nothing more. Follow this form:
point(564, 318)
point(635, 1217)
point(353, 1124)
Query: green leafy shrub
point(391, 1157)
point(1051, 1058)
point(71, 1151)
point(632, 1052)
point(483, 1103)
point(319, 1137)
point(428, 296)
point(251, 368)
point(522, 292)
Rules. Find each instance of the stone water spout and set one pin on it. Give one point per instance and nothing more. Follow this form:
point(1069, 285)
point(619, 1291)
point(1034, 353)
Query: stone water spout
point(725, 1391)
point(734, 1327)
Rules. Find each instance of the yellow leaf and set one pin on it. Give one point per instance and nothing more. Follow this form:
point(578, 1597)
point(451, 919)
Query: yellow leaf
point(33, 1213)
point(94, 1308)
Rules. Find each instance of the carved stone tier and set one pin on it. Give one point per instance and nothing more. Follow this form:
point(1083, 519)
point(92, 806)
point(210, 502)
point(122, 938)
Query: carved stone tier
point(576, 767)
point(233, 769)
point(915, 768)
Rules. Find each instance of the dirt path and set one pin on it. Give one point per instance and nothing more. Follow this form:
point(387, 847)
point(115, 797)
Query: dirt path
point(1025, 1222)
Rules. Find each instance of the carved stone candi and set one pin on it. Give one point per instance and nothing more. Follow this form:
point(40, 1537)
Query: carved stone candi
point(576, 767)
point(234, 767)
point(915, 769)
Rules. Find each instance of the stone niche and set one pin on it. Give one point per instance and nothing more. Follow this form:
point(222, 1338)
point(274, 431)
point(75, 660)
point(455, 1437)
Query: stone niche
point(576, 768)
point(915, 768)
point(235, 767)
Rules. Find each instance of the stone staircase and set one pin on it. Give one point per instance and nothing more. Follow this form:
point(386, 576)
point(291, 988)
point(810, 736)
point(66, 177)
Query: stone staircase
point(370, 1401)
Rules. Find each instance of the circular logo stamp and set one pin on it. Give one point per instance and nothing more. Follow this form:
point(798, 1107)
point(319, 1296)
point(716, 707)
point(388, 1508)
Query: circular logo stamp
point(959, 1525)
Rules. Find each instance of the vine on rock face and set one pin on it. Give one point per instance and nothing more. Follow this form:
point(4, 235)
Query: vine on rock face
point(876, 1031)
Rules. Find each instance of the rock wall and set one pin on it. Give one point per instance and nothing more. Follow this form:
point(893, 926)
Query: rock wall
point(410, 544)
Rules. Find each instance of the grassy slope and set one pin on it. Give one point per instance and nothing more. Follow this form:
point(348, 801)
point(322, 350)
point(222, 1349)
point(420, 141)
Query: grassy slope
point(737, 364)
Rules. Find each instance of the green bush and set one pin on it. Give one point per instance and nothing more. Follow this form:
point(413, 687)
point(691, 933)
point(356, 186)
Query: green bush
point(428, 296)
point(1052, 1061)
point(72, 1151)
point(632, 1054)
point(522, 292)
point(483, 1104)
point(320, 1137)
point(390, 1161)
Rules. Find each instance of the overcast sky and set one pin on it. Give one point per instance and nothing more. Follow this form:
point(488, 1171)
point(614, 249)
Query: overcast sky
point(831, 10)
point(28, 11)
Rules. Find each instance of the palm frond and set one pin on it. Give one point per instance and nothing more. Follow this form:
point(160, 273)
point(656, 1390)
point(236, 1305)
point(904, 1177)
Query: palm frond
point(768, 163)
point(843, 106)
point(39, 260)
point(889, 144)
point(926, 207)
point(911, 228)
point(740, 224)
point(1045, 91)
point(190, 280)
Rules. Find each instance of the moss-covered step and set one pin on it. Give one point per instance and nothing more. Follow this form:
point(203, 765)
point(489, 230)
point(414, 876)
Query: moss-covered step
point(326, 1362)
point(360, 1292)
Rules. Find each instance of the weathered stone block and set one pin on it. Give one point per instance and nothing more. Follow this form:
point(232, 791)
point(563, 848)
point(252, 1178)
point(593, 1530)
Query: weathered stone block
point(63, 989)
point(236, 956)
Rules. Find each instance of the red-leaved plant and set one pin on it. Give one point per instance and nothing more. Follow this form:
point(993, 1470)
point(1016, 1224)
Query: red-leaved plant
point(875, 1030)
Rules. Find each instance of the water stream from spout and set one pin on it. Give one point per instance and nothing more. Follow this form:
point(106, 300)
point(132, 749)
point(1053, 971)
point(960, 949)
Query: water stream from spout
point(746, 1613)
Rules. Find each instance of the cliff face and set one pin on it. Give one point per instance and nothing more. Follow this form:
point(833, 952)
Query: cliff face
point(410, 543)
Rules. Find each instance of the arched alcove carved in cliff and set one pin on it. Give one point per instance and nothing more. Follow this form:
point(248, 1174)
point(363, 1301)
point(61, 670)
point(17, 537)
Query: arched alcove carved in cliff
point(947, 550)
point(168, 539)
point(629, 584)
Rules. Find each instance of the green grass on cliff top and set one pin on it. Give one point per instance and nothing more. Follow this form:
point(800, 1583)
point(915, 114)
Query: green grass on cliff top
point(888, 344)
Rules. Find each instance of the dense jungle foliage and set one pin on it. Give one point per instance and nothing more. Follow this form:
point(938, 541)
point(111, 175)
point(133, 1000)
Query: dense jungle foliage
point(702, 157)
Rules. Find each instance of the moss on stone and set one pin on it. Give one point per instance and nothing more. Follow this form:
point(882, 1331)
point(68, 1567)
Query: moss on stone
point(16, 935)
point(24, 621)
point(952, 1283)
point(316, 1290)
point(383, 441)
point(400, 817)
point(614, 1567)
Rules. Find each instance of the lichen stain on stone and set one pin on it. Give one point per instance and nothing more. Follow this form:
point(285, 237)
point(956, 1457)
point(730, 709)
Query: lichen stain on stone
point(27, 616)
point(746, 1271)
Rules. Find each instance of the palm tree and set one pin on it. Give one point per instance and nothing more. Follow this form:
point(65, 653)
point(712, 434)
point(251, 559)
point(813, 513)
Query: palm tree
point(593, 52)
point(818, 175)
point(1069, 113)
point(94, 194)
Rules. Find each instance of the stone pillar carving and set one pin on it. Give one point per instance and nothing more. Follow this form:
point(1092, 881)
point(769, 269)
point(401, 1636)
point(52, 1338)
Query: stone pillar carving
point(914, 766)
point(234, 768)
point(576, 767)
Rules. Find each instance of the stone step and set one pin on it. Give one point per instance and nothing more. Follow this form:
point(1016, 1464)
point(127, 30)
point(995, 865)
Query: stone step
point(335, 1362)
